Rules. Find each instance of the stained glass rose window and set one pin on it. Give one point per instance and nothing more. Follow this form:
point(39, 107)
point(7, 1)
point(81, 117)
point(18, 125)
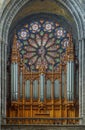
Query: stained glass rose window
point(43, 42)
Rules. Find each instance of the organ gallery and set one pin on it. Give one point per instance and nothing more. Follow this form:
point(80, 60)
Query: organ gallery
point(42, 70)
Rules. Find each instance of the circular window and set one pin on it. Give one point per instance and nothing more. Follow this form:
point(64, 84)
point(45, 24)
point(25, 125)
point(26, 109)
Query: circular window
point(42, 42)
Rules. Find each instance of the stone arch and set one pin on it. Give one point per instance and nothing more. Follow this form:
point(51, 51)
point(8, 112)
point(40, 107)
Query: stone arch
point(8, 14)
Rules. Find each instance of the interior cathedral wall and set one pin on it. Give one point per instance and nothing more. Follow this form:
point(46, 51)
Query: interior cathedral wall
point(14, 10)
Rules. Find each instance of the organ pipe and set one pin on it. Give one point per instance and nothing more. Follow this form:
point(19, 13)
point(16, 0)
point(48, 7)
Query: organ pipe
point(48, 90)
point(63, 82)
point(14, 81)
point(42, 83)
point(21, 84)
point(35, 89)
point(27, 89)
point(70, 85)
point(56, 89)
point(70, 80)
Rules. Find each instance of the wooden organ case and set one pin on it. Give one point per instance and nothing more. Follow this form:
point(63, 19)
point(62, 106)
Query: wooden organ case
point(43, 94)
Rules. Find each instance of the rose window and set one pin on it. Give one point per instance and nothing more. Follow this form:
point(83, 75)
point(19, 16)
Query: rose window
point(42, 42)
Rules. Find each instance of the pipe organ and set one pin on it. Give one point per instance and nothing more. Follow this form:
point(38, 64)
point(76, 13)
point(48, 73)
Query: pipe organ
point(43, 87)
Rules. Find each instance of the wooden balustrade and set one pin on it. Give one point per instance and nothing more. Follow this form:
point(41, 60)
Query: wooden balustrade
point(50, 121)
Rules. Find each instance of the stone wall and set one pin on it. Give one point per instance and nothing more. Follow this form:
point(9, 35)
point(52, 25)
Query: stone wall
point(45, 127)
point(7, 14)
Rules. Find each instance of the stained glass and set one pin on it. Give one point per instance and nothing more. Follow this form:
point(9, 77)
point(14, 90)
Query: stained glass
point(23, 34)
point(60, 32)
point(50, 42)
point(44, 39)
point(48, 26)
point(65, 43)
point(40, 42)
point(35, 27)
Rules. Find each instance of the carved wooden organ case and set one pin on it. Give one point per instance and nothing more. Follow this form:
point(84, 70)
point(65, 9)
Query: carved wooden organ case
point(43, 72)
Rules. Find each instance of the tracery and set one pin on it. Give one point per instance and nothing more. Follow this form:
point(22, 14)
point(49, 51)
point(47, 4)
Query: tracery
point(42, 42)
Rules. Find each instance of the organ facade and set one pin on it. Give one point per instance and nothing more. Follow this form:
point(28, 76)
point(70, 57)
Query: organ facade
point(43, 74)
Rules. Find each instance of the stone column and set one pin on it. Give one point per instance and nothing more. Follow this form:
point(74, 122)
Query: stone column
point(83, 81)
point(3, 81)
point(80, 80)
point(5, 75)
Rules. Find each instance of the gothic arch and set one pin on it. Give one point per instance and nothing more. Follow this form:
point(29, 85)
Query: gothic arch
point(8, 15)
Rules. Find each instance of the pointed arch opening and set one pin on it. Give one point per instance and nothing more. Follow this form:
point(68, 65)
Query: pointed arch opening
point(43, 68)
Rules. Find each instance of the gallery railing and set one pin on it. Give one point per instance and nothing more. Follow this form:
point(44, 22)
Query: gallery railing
point(35, 121)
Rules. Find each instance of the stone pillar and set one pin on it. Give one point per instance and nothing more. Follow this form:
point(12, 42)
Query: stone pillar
point(5, 75)
point(3, 79)
point(80, 80)
point(83, 81)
